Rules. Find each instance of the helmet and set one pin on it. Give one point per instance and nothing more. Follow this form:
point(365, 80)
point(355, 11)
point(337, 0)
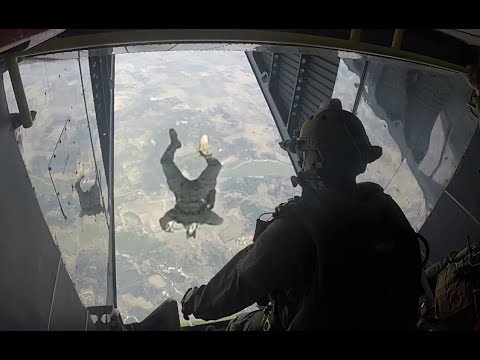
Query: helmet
point(336, 140)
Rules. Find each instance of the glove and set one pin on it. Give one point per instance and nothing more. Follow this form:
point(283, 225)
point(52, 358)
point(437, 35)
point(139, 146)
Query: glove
point(188, 302)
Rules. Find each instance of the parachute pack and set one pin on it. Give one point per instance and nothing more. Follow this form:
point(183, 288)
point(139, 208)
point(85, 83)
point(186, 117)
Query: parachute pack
point(456, 283)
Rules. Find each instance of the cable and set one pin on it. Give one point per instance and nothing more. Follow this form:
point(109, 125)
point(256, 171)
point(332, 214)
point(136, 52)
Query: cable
point(394, 174)
point(59, 141)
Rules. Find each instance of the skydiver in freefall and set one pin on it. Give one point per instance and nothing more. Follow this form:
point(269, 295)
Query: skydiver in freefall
point(194, 198)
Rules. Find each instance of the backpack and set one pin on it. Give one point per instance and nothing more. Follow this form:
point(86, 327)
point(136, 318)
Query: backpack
point(360, 281)
point(368, 263)
point(457, 295)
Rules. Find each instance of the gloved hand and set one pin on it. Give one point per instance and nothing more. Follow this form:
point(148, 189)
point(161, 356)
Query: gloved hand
point(188, 302)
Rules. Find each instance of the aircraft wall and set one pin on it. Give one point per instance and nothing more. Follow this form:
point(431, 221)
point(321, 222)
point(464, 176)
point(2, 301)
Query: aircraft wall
point(36, 291)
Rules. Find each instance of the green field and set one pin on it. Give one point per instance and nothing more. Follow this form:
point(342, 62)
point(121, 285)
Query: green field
point(259, 168)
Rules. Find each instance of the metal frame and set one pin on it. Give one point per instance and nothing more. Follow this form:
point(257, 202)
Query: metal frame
point(360, 86)
point(397, 38)
point(270, 72)
point(260, 37)
point(102, 75)
point(282, 129)
point(296, 92)
point(19, 91)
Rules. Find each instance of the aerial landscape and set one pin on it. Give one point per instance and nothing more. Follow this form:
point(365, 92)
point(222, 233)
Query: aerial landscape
point(203, 93)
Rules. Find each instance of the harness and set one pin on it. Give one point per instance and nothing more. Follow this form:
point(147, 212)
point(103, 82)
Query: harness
point(381, 251)
point(272, 319)
point(191, 213)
